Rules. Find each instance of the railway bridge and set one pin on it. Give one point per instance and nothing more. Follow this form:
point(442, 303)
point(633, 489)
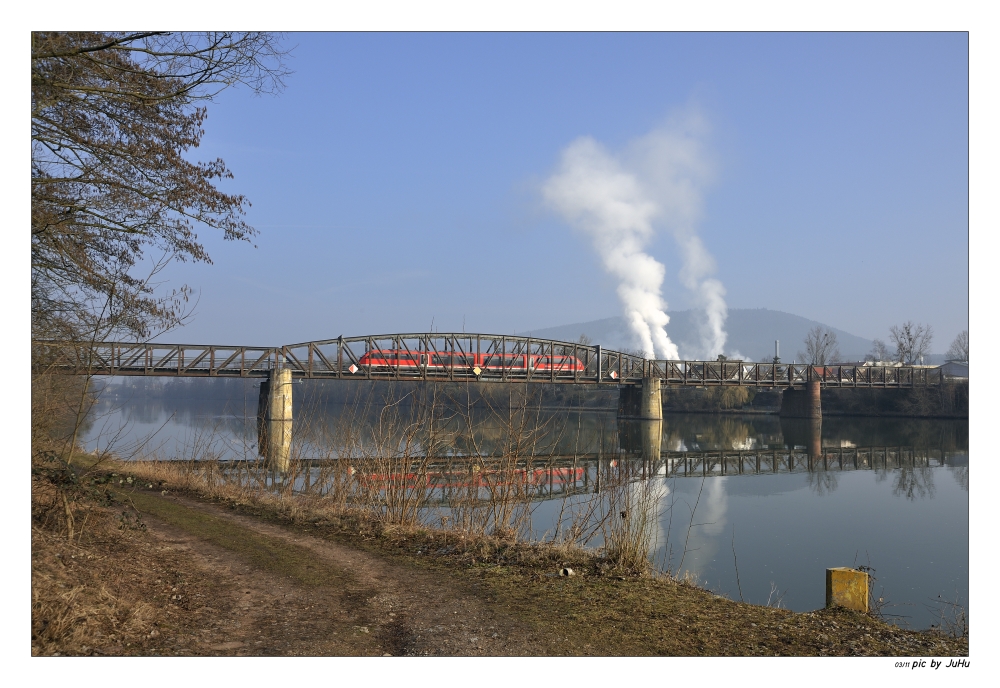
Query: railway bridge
point(451, 357)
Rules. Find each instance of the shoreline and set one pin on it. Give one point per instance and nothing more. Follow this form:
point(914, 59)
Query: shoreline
point(602, 609)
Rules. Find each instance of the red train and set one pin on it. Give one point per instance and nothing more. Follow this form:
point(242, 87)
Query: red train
point(386, 359)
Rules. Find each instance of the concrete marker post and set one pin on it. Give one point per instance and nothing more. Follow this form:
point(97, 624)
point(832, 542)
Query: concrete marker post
point(846, 587)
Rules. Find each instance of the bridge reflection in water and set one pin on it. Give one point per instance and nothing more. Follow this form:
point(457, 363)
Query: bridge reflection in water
point(447, 479)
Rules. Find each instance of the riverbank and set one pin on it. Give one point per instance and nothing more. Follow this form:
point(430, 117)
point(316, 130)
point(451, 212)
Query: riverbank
point(218, 571)
point(949, 401)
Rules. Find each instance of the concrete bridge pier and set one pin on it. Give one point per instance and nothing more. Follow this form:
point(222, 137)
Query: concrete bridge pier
point(274, 418)
point(802, 403)
point(643, 402)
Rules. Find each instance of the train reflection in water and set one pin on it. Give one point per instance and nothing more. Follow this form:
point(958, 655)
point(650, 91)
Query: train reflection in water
point(440, 480)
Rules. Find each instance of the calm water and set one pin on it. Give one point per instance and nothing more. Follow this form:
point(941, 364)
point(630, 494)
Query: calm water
point(779, 501)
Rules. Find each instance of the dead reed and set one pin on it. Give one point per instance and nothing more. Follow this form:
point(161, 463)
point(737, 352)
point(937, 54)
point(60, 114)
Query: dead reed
point(428, 457)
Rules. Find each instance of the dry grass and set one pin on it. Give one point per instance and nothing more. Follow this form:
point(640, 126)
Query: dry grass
point(80, 594)
point(74, 605)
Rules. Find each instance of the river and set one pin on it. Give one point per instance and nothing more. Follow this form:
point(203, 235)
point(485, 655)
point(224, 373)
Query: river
point(749, 506)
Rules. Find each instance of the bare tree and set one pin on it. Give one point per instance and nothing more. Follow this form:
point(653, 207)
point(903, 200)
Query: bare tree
point(821, 346)
point(959, 349)
point(879, 352)
point(113, 116)
point(912, 341)
point(114, 196)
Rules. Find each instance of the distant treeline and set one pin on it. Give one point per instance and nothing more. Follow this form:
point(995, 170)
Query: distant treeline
point(720, 399)
point(947, 401)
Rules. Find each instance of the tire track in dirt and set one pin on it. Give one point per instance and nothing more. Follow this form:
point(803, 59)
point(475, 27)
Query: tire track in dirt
point(365, 605)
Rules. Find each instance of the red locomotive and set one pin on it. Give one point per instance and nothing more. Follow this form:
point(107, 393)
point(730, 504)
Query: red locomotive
point(401, 359)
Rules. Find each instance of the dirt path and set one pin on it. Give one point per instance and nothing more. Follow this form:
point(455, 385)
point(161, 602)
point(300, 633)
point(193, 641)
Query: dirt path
point(309, 596)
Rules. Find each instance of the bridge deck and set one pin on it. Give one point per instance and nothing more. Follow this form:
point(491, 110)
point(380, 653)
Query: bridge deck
point(455, 357)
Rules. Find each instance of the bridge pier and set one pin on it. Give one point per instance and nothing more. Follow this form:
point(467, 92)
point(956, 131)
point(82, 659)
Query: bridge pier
point(643, 402)
point(274, 418)
point(802, 403)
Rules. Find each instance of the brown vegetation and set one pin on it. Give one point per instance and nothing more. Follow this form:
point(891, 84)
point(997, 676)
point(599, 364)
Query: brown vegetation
point(950, 400)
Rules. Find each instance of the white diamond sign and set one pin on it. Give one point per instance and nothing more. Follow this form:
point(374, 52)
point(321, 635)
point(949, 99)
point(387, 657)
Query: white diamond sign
point(613, 375)
point(477, 370)
point(353, 368)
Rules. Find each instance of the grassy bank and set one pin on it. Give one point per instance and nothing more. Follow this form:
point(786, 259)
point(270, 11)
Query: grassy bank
point(603, 609)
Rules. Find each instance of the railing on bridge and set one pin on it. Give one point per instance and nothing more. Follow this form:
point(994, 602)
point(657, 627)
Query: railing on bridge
point(454, 357)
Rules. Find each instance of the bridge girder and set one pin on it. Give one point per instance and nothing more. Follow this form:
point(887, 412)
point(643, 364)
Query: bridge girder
point(450, 357)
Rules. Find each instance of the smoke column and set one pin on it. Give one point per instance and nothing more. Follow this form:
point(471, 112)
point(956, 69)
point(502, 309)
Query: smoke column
point(620, 201)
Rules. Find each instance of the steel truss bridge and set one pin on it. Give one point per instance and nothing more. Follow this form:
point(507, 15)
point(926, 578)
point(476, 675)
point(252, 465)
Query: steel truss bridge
point(454, 357)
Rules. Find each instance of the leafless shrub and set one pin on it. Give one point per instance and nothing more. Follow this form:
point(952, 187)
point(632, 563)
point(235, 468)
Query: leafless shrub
point(632, 508)
point(953, 619)
point(774, 597)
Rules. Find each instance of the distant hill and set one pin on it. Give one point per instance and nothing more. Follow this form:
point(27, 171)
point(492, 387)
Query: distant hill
point(751, 332)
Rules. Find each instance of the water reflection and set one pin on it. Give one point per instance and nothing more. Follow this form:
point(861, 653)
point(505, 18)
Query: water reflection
point(791, 496)
point(910, 482)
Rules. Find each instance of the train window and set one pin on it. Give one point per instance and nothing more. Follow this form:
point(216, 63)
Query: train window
point(393, 357)
point(449, 359)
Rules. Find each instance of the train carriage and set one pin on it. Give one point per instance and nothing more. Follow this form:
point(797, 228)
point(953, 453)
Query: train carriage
point(417, 361)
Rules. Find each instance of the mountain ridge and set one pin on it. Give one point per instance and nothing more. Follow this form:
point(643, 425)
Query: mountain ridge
point(751, 332)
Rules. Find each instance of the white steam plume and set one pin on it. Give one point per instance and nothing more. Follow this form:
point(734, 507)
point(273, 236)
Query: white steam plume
point(619, 201)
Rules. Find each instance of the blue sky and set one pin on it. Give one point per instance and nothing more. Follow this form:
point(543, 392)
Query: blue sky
point(397, 180)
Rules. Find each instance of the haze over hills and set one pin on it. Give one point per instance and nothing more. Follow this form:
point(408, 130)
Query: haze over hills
point(751, 331)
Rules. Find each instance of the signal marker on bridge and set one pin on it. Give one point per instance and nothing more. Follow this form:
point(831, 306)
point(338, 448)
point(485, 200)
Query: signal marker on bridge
point(353, 368)
point(477, 370)
point(613, 375)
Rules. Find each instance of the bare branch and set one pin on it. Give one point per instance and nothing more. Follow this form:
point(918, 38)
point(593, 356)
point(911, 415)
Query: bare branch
point(912, 342)
point(821, 346)
point(959, 349)
point(113, 117)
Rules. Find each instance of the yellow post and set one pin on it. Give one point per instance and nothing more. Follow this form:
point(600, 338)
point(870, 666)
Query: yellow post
point(847, 588)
